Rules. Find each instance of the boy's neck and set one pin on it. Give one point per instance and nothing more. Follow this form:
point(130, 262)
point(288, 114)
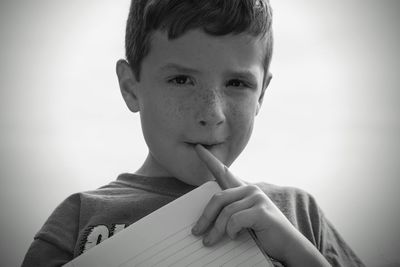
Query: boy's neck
point(150, 168)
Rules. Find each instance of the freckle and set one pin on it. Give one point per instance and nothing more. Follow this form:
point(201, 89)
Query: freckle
point(183, 108)
point(235, 111)
point(172, 109)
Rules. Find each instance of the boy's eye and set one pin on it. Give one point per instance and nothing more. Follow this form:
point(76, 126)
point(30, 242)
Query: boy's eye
point(181, 80)
point(237, 83)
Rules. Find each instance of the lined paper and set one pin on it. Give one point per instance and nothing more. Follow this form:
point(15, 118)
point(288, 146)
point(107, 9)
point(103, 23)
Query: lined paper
point(164, 238)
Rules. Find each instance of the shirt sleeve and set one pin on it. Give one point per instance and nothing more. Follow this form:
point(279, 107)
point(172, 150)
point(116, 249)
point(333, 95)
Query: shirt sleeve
point(54, 244)
point(334, 248)
point(304, 213)
point(326, 238)
point(312, 222)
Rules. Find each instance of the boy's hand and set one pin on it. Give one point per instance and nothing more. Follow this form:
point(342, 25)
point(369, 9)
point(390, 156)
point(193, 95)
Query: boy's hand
point(246, 206)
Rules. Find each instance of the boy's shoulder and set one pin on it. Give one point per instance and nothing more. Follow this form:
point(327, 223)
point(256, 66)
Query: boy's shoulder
point(299, 207)
point(132, 184)
point(286, 194)
point(104, 211)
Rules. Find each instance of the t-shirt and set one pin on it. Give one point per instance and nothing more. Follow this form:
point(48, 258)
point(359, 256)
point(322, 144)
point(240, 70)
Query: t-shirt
point(85, 219)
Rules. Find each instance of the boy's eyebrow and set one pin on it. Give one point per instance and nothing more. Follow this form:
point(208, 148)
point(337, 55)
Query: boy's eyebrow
point(242, 74)
point(236, 73)
point(179, 68)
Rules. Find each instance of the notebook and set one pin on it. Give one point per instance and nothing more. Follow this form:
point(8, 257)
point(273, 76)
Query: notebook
point(164, 238)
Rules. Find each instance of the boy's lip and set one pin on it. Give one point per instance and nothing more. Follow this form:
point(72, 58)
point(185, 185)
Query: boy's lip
point(206, 145)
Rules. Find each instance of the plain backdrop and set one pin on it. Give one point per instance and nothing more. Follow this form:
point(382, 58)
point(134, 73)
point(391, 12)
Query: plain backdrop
point(329, 123)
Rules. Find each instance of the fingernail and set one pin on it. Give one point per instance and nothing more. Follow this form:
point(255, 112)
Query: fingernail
point(199, 225)
point(207, 240)
point(195, 229)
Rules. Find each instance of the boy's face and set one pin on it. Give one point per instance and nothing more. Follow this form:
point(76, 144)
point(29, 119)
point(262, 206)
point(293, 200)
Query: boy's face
point(196, 89)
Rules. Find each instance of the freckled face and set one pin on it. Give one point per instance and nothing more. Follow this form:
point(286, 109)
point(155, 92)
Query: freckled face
point(198, 89)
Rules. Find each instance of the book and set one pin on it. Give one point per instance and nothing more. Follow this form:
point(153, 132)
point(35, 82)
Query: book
point(164, 238)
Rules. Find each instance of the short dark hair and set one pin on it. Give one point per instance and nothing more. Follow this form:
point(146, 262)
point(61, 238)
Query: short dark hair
point(215, 17)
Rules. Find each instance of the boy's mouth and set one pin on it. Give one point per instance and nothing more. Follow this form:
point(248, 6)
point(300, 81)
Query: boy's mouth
point(206, 146)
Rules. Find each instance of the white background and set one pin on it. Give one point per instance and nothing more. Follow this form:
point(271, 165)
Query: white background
point(329, 124)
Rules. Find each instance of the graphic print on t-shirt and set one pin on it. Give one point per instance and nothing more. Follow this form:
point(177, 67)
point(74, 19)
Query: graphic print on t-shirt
point(95, 234)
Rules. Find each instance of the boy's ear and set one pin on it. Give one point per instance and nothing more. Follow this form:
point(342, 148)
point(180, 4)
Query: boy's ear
point(128, 85)
point(267, 80)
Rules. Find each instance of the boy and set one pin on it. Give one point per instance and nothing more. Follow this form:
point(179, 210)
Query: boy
point(196, 71)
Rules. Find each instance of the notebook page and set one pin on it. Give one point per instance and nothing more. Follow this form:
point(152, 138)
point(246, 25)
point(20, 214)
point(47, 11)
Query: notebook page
point(164, 238)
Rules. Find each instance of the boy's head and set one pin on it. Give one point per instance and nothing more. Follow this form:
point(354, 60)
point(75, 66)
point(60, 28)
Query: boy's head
point(176, 17)
point(197, 73)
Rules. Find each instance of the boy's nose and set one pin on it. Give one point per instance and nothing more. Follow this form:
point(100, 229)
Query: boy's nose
point(210, 109)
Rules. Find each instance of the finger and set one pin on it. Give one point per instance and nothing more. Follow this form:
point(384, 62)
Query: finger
point(241, 220)
point(219, 228)
point(217, 203)
point(220, 172)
